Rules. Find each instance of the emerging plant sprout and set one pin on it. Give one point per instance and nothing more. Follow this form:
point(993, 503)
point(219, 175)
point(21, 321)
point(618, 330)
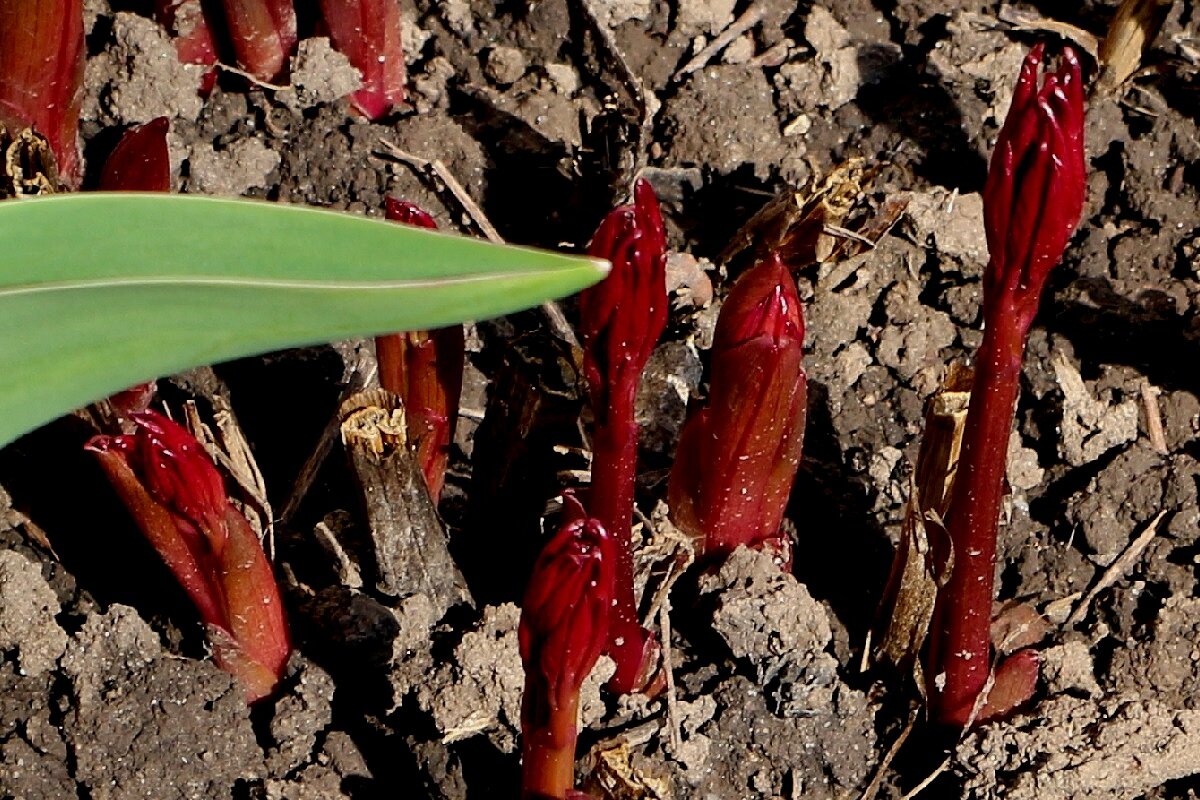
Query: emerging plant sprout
point(737, 457)
point(140, 162)
point(564, 627)
point(261, 33)
point(177, 497)
point(424, 369)
point(368, 33)
point(1032, 202)
point(41, 75)
point(620, 320)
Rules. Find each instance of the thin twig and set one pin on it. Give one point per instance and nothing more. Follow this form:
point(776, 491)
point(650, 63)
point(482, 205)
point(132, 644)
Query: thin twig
point(1118, 568)
point(629, 81)
point(846, 233)
point(751, 17)
point(886, 761)
point(1154, 426)
point(241, 72)
point(773, 56)
point(435, 172)
point(923, 785)
point(673, 721)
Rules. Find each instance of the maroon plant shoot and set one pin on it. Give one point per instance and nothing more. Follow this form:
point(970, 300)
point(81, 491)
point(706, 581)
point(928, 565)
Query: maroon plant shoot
point(368, 33)
point(737, 457)
point(41, 74)
point(140, 162)
point(424, 368)
point(1032, 202)
point(564, 627)
point(177, 497)
point(620, 321)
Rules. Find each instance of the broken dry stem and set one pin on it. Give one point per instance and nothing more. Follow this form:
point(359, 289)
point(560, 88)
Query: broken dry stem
point(410, 545)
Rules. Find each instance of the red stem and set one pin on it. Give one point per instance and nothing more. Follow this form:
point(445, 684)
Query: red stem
point(548, 754)
point(960, 650)
point(614, 467)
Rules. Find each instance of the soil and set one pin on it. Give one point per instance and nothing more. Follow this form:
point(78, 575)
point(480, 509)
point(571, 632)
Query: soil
point(544, 112)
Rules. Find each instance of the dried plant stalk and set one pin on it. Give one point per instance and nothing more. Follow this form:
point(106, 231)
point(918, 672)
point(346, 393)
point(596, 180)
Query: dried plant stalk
point(923, 556)
point(412, 553)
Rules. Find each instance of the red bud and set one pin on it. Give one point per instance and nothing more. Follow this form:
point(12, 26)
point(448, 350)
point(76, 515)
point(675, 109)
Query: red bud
point(564, 627)
point(737, 457)
point(140, 161)
point(1031, 205)
point(1036, 185)
point(178, 499)
point(621, 318)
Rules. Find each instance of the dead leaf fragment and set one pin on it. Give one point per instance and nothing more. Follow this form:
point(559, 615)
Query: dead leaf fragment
point(613, 777)
point(924, 556)
point(1131, 32)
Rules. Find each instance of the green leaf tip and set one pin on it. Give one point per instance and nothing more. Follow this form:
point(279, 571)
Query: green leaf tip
point(101, 291)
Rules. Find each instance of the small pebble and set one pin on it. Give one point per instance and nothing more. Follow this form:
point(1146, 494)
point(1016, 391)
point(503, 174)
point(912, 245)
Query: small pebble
point(505, 65)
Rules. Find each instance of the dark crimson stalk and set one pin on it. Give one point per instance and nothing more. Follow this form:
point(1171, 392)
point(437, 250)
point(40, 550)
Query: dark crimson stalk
point(424, 368)
point(620, 320)
point(41, 74)
point(178, 499)
point(737, 457)
point(1032, 202)
point(564, 627)
point(368, 33)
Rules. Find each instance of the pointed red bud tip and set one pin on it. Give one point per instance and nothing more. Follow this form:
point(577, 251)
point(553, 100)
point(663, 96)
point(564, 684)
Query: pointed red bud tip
point(764, 305)
point(263, 33)
point(572, 508)
point(368, 33)
point(140, 161)
point(41, 74)
point(407, 213)
point(565, 616)
point(175, 469)
point(621, 318)
point(737, 457)
point(1036, 184)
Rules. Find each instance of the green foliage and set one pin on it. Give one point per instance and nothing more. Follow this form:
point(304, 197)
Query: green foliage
point(102, 291)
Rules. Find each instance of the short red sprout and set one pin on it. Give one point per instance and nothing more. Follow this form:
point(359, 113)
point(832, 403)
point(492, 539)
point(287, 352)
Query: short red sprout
point(178, 499)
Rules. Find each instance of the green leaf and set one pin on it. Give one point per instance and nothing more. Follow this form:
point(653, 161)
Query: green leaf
point(102, 291)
